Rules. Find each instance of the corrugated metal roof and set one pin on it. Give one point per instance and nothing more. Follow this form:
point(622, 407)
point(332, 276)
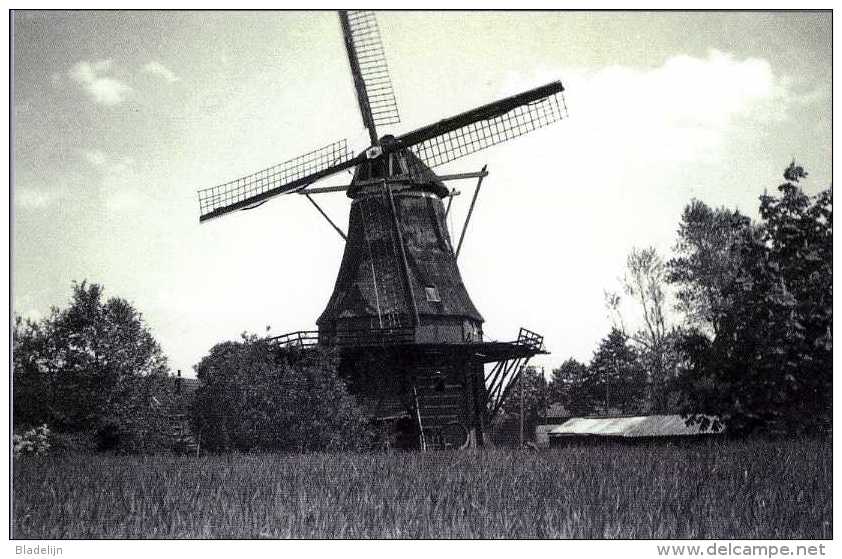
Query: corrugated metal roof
point(641, 426)
point(544, 429)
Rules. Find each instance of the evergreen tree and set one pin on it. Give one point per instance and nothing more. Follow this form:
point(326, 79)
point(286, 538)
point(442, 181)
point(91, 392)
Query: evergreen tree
point(616, 383)
point(563, 386)
point(530, 388)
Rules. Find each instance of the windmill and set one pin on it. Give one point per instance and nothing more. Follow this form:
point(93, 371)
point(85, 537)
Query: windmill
point(410, 338)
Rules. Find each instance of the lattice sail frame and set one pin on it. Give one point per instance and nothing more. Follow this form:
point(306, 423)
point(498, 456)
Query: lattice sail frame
point(368, 46)
point(482, 134)
point(434, 145)
point(286, 173)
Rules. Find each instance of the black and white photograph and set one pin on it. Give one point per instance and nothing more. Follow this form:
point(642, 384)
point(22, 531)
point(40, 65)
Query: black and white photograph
point(469, 274)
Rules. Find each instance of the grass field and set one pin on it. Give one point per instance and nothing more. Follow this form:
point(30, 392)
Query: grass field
point(753, 489)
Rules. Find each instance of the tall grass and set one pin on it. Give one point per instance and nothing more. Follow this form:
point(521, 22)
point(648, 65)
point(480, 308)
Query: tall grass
point(753, 489)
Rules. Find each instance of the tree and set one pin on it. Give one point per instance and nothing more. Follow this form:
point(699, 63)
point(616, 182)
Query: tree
point(798, 235)
point(769, 366)
point(530, 387)
point(706, 265)
point(613, 303)
point(256, 396)
point(582, 392)
point(564, 384)
point(616, 382)
point(91, 364)
point(798, 231)
point(645, 282)
point(32, 351)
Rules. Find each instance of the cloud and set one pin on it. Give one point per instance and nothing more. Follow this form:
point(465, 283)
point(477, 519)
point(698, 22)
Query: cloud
point(32, 199)
point(679, 111)
point(26, 306)
point(158, 69)
point(95, 157)
point(31, 196)
point(711, 92)
point(103, 89)
point(639, 143)
point(120, 185)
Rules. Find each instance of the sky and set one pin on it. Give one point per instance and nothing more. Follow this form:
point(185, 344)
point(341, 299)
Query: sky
point(120, 117)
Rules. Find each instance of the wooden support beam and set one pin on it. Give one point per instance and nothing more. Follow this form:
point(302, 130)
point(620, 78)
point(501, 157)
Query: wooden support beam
point(342, 188)
point(461, 176)
point(470, 210)
point(332, 224)
point(322, 189)
point(493, 371)
point(501, 382)
point(453, 192)
point(506, 390)
point(402, 249)
point(500, 376)
point(421, 439)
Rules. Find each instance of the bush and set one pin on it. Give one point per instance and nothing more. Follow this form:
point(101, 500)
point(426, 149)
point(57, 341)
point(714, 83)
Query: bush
point(256, 396)
point(33, 441)
point(80, 442)
point(131, 438)
point(140, 425)
point(122, 439)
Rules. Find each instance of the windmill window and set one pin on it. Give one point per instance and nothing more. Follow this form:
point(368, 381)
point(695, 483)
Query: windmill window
point(432, 294)
point(438, 381)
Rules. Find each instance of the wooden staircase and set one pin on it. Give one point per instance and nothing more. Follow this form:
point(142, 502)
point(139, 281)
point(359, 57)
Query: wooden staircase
point(438, 410)
point(441, 408)
point(181, 438)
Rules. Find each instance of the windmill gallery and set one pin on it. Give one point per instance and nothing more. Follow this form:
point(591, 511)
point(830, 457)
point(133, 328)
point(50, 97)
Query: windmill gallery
point(409, 337)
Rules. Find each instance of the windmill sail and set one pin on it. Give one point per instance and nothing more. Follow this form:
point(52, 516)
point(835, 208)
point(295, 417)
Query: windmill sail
point(375, 94)
point(435, 144)
point(486, 126)
point(285, 177)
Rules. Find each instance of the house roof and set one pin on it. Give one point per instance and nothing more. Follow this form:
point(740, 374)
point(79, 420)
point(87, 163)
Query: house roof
point(188, 385)
point(640, 426)
point(556, 410)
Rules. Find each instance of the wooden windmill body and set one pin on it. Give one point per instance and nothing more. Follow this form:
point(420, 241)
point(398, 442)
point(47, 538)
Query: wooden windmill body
point(410, 338)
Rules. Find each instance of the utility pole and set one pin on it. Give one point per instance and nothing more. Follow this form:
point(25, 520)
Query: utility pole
point(546, 393)
point(520, 381)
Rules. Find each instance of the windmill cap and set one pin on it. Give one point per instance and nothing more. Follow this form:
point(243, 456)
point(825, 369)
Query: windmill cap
point(399, 164)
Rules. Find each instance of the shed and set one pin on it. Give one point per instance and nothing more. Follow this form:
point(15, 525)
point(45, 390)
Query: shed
point(626, 428)
point(542, 435)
